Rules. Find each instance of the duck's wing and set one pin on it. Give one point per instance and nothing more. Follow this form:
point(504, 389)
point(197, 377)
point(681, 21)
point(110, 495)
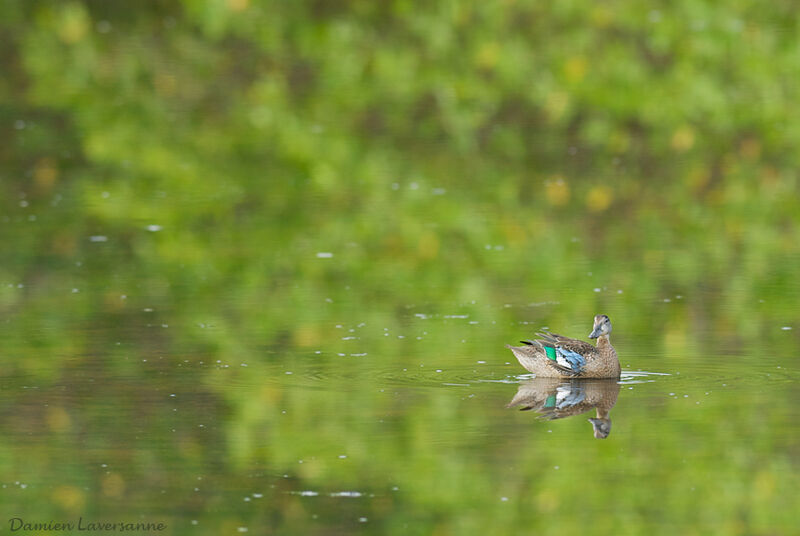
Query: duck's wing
point(568, 355)
point(573, 345)
point(566, 362)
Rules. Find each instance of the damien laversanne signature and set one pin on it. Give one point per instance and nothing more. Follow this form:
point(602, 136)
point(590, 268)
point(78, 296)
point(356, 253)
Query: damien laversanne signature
point(19, 524)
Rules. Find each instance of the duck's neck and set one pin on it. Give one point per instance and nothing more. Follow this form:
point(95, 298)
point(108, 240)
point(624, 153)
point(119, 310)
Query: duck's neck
point(603, 343)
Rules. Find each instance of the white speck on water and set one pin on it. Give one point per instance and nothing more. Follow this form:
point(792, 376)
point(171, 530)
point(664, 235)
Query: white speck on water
point(423, 316)
point(362, 520)
point(349, 338)
point(358, 355)
point(289, 372)
point(401, 337)
point(439, 191)
point(98, 238)
point(346, 494)
point(341, 355)
point(324, 255)
point(597, 289)
point(556, 468)
point(786, 328)
point(247, 499)
point(667, 300)
point(456, 316)
point(241, 529)
point(481, 362)
point(257, 495)
point(672, 394)
point(154, 228)
point(395, 186)
point(504, 499)
point(685, 396)
point(619, 291)
point(342, 456)
point(147, 310)
point(75, 291)
point(242, 364)
point(194, 522)
point(438, 370)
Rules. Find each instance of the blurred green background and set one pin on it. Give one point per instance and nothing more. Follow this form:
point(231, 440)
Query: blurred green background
point(200, 197)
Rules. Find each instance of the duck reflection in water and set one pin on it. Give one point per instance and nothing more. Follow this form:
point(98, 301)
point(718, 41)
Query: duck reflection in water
point(555, 398)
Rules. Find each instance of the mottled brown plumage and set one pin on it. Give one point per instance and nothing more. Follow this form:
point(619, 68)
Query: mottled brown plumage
point(600, 361)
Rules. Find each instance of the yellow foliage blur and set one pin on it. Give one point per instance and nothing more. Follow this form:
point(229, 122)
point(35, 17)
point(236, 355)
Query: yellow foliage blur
point(599, 198)
point(557, 192)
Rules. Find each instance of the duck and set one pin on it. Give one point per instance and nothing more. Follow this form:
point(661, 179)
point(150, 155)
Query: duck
point(557, 398)
point(556, 356)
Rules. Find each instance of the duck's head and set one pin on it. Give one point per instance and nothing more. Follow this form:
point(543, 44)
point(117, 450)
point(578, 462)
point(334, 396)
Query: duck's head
point(601, 427)
point(602, 326)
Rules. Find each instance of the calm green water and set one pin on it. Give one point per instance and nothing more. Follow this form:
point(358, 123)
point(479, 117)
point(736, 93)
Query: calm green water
point(390, 422)
point(259, 262)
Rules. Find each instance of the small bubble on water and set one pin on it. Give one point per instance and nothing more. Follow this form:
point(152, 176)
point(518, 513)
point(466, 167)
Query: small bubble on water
point(324, 255)
point(786, 328)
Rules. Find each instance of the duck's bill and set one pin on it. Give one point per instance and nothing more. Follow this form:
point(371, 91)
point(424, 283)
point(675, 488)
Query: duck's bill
point(595, 333)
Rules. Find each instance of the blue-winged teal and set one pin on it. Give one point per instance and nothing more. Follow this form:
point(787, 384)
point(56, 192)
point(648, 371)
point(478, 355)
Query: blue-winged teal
point(556, 356)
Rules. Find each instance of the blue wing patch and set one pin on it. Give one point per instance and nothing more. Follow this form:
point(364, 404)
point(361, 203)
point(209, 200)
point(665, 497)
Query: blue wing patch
point(569, 359)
